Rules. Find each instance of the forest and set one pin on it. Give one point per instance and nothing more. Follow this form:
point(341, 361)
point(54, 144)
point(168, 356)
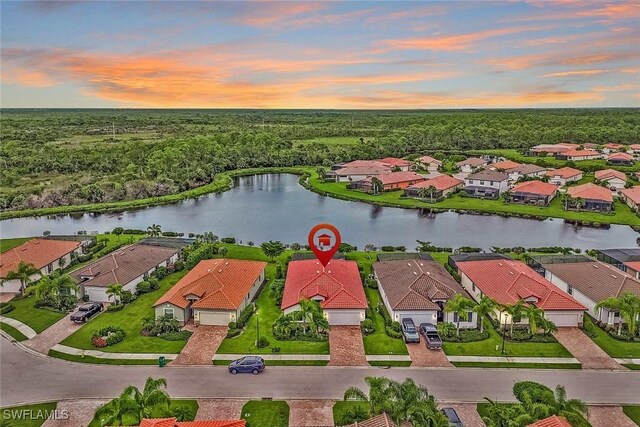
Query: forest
point(68, 157)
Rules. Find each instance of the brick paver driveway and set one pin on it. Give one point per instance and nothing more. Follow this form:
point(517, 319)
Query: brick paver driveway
point(45, 340)
point(467, 412)
point(422, 356)
point(80, 412)
point(609, 416)
point(219, 409)
point(586, 351)
point(346, 347)
point(201, 346)
point(308, 413)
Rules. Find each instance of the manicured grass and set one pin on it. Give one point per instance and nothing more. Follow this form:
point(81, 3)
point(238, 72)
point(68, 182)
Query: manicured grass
point(633, 412)
point(16, 334)
point(612, 346)
point(98, 361)
point(493, 346)
point(6, 244)
point(27, 415)
point(391, 363)
point(272, 413)
point(379, 342)
point(517, 365)
point(341, 408)
point(632, 367)
point(282, 362)
point(129, 319)
point(38, 319)
point(133, 421)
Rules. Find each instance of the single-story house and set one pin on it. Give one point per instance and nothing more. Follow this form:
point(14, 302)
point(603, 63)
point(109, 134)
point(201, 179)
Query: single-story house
point(537, 192)
point(214, 292)
point(504, 166)
point(631, 196)
point(126, 266)
point(564, 175)
point(612, 148)
point(173, 422)
point(634, 149)
point(627, 260)
point(443, 184)
point(337, 287)
point(548, 149)
point(552, 421)
point(526, 171)
point(509, 281)
point(390, 181)
point(47, 255)
point(576, 155)
point(611, 178)
point(588, 281)
point(429, 163)
point(486, 184)
point(356, 173)
point(419, 290)
point(594, 198)
point(623, 159)
point(590, 146)
point(396, 163)
point(472, 164)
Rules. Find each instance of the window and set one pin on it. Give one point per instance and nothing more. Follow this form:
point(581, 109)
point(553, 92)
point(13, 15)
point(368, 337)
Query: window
point(481, 182)
point(466, 318)
point(168, 312)
point(570, 290)
point(473, 287)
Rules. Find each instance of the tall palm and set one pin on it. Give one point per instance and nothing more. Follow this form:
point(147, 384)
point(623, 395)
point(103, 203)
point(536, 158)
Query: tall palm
point(548, 326)
point(515, 312)
point(406, 395)
point(431, 191)
point(114, 412)
point(154, 230)
point(628, 305)
point(115, 292)
point(65, 285)
point(23, 273)
point(312, 316)
point(573, 410)
point(535, 316)
point(483, 308)
point(423, 193)
point(579, 203)
point(41, 289)
point(460, 306)
point(378, 397)
point(427, 416)
point(152, 398)
point(182, 413)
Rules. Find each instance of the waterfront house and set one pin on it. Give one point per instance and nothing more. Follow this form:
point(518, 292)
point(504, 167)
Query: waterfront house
point(592, 197)
point(428, 163)
point(611, 178)
point(577, 155)
point(631, 196)
point(357, 173)
point(504, 166)
point(444, 185)
point(472, 164)
point(486, 184)
point(390, 181)
point(564, 175)
point(536, 192)
point(634, 149)
point(620, 159)
point(627, 260)
point(526, 171)
point(396, 164)
point(552, 149)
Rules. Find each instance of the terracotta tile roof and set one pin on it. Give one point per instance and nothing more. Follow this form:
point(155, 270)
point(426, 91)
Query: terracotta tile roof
point(505, 165)
point(338, 283)
point(565, 172)
point(39, 252)
point(367, 164)
point(581, 153)
point(394, 161)
point(440, 182)
point(590, 191)
point(596, 280)
point(633, 193)
point(507, 282)
point(552, 421)
point(633, 265)
point(488, 175)
point(429, 159)
point(382, 420)
point(554, 148)
point(620, 156)
point(614, 146)
point(526, 169)
point(173, 422)
point(414, 284)
point(472, 161)
point(363, 170)
point(607, 174)
point(123, 265)
point(218, 283)
point(535, 187)
point(397, 177)
point(635, 146)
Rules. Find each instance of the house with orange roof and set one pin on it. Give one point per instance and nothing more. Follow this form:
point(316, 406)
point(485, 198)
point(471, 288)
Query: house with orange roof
point(390, 181)
point(563, 176)
point(399, 165)
point(552, 149)
point(214, 292)
point(631, 196)
point(47, 255)
point(173, 422)
point(504, 166)
point(577, 155)
point(337, 287)
point(443, 186)
point(621, 159)
point(429, 163)
point(510, 281)
point(589, 197)
point(611, 178)
point(634, 149)
point(613, 148)
point(536, 192)
point(552, 421)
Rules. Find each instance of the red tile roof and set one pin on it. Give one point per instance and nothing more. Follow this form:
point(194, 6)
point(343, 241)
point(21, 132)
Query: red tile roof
point(554, 148)
point(535, 187)
point(507, 282)
point(565, 172)
point(394, 161)
point(620, 156)
point(338, 283)
point(397, 177)
point(218, 283)
point(173, 422)
point(590, 191)
point(607, 174)
point(39, 252)
point(366, 163)
point(429, 159)
point(552, 421)
point(633, 265)
point(440, 182)
point(614, 146)
point(506, 165)
point(632, 193)
point(635, 146)
point(581, 153)
point(363, 170)
point(382, 420)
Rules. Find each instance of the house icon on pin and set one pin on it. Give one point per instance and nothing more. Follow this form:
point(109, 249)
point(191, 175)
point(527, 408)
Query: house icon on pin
point(324, 240)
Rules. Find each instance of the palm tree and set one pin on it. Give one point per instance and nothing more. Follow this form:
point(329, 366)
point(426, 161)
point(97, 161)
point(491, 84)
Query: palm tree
point(423, 193)
point(182, 412)
point(514, 311)
point(427, 416)
point(483, 308)
point(573, 410)
point(114, 412)
point(154, 230)
point(579, 203)
point(223, 251)
point(23, 273)
point(378, 397)
point(431, 191)
point(548, 326)
point(353, 415)
point(65, 285)
point(312, 316)
point(460, 306)
point(407, 395)
point(114, 291)
point(535, 316)
point(152, 398)
point(53, 288)
point(628, 305)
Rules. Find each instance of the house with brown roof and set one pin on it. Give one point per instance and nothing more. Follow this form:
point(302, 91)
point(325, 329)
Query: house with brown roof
point(552, 149)
point(390, 181)
point(126, 266)
point(173, 422)
point(429, 163)
point(504, 166)
point(588, 281)
point(564, 175)
point(631, 196)
point(488, 184)
point(627, 260)
point(577, 155)
point(634, 149)
point(509, 281)
point(526, 171)
point(356, 173)
point(418, 289)
point(611, 178)
point(443, 186)
point(536, 192)
point(590, 197)
point(337, 287)
point(47, 255)
point(472, 164)
point(620, 159)
point(214, 292)
point(613, 148)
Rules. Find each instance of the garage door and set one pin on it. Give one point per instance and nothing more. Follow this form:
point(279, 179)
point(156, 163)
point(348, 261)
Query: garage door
point(214, 317)
point(418, 317)
point(96, 294)
point(344, 317)
point(564, 319)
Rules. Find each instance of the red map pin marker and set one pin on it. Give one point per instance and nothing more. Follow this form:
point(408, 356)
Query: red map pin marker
point(324, 240)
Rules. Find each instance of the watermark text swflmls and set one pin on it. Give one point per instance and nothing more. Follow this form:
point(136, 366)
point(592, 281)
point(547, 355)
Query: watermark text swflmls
point(35, 414)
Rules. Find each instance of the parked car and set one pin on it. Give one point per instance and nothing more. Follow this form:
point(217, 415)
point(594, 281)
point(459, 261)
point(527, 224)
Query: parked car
point(253, 364)
point(431, 336)
point(86, 312)
point(409, 331)
point(452, 415)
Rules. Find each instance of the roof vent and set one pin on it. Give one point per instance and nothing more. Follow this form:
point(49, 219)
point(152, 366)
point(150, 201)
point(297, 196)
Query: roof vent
point(409, 264)
point(317, 271)
point(415, 273)
point(614, 276)
point(500, 264)
point(428, 272)
point(329, 271)
point(37, 242)
point(421, 264)
point(132, 248)
point(122, 253)
point(23, 249)
point(220, 271)
point(209, 270)
point(226, 263)
point(511, 273)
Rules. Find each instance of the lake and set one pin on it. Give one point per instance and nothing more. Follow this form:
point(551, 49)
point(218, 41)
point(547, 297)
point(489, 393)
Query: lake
point(275, 206)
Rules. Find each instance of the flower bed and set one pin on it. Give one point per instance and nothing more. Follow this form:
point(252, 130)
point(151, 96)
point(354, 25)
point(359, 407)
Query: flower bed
point(107, 336)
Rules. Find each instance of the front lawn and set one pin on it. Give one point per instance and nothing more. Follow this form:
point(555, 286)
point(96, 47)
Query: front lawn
point(633, 412)
point(612, 346)
point(517, 365)
point(341, 408)
point(133, 421)
point(16, 334)
point(379, 342)
point(129, 319)
point(27, 415)
point(6, 244)
point(272, 413)
point(38, 319)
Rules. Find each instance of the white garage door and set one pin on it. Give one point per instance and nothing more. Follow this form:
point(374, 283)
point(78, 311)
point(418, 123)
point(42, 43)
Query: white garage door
point(214, 317)
point(564, 319)
point(418, 317)
point(96, 294)
point(344, 317)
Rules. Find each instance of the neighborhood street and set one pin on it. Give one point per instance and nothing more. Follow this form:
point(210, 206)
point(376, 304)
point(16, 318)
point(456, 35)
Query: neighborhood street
point(25, 377)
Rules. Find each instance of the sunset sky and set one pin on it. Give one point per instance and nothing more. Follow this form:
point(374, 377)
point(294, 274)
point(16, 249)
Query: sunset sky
point(360, 55)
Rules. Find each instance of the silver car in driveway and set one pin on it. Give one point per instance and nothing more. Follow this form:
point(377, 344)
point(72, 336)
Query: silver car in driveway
point(409, 331)
point(431, 336)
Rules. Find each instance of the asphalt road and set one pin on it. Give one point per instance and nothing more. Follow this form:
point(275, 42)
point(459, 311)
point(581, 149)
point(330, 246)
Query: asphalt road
point(26, 378)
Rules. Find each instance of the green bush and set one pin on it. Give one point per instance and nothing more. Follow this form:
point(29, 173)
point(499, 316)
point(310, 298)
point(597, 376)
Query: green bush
point(115, 307)
point(178, 266)
point(392, 333)
point(367, 326)
point(6, 308)
point(384, 313)
point(263, 342)
point(232, 325)
point(277, 290)
point(127, 297)
point(110, 335)
point(233, 333)
point(396, 326)
point(176, 336)
point(143, 287)
point(372, 283)
point(230, 240)
point(466, 335)
point(537, 392)
point(245, 315)
point(160, 273)
point(275, 349)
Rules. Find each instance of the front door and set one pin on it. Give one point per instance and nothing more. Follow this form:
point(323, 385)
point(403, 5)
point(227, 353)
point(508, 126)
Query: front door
point(440, 316)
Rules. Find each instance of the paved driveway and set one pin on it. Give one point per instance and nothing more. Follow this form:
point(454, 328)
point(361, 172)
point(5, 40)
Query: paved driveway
point(201, 346)
point(421, 356)
point(467, 412)
point(54, 334)
point(346, 347)
point(219, 409)
point(609, 416)
point(309, 413)
point(80, 412)
point(586, 351)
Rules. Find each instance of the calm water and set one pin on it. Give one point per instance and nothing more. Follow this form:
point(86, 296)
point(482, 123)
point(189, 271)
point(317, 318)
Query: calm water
point(264, 207)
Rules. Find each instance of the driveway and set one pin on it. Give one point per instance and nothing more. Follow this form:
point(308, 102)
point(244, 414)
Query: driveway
point(609, 416)
point(309, 413)
point(421, 356)
point(467, 412)
point(586, 351)
point(4, 297)
point(219, 409)
point(54, 334)
point(80, 412)
point(346, 347)
point(201, 346)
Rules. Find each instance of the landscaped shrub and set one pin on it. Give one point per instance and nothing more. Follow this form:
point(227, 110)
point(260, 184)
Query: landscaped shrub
point(232, 325)
point(277, 290)
point(199, 252)
point(107, 336)
point(233, 333)
point(6, 308)
point(162, 325)
point(384, 313)
point(466, 335)
point(160, 273)
point(127, 297)
point(537, 392)
point(143, 287)
point(263, 342)
point(176, 336)
point(447, 331)
point(155, 283)
point(367, 326)
point(392, 332)
point(372, 283)
point(115, 307)
point(245, 315)
point(230, 240)
point(275, 349)
point(57, 303)
point(396, 326)
point(178, 266)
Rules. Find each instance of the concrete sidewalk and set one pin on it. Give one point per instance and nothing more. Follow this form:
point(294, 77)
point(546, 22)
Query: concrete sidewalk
point(24, 329)
point(104, 355)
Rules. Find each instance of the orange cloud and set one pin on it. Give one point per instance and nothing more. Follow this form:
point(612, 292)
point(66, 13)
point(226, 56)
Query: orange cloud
point(28, 78)
point(265, 14)
point(516, 63)
point(575, 73)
